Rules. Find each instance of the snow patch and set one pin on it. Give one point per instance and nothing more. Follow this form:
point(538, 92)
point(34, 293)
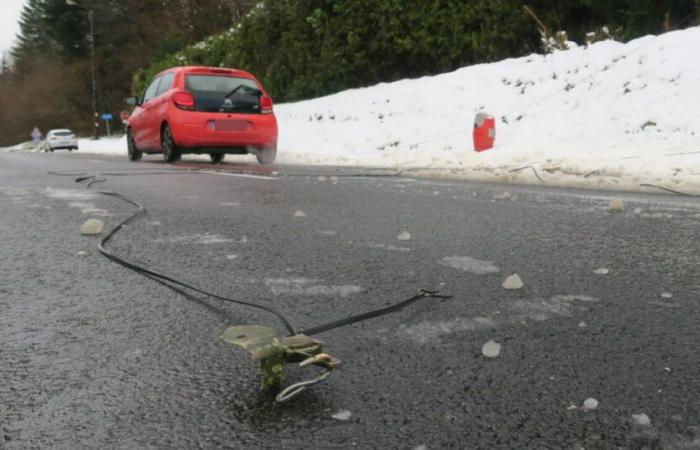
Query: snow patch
point(69, 194)
point(89, 208)
point(471, 265)
point(389, 247)
point(429, 331)
point(342, 415)
point(197, 239)
point(305, 286)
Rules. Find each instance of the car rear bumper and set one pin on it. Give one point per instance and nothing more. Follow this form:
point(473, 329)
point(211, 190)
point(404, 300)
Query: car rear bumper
point(64, 145)
point(198, 131)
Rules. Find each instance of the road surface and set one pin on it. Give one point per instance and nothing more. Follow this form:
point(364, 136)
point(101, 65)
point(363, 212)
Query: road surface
point(94, 355)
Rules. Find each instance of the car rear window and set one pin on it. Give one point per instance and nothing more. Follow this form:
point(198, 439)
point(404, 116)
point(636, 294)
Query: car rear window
point(220, 93)
point(63, 133)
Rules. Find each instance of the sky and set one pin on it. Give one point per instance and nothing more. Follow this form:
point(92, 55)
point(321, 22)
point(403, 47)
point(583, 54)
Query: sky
point(9, 22)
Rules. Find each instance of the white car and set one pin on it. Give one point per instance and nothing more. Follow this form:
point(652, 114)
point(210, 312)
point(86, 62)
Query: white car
point(60, 139)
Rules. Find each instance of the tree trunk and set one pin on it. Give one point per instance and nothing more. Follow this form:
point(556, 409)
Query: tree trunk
point(667, 21)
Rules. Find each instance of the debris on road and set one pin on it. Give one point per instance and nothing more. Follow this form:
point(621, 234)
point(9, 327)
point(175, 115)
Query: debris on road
point(299, 213)
point(273, 350)
point(590, 404)
point(601, 271)
point(92, 227)
point(666, 295)
point(616, 205)
point(404, 236)
point(342, 415)
point(513, 282)
point(491, 349)
point(641, 419)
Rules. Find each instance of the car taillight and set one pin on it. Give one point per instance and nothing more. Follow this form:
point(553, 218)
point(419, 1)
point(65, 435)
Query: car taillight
point(265, 104)
point(184, 100)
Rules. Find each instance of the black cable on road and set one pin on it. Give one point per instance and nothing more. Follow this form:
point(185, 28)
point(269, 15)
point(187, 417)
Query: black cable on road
point(684, 194)
point(164, 279)
point(372, 314)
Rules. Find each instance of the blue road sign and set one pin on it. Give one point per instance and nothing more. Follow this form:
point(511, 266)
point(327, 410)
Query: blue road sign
point(106, 116)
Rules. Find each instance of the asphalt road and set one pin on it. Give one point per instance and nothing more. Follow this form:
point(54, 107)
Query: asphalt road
point(94, 355)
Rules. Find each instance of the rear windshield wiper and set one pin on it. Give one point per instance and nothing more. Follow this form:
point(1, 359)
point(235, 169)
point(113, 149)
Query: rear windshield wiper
point(255, 91)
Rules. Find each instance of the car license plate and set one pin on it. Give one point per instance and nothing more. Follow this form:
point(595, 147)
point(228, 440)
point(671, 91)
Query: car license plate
point(230, 125)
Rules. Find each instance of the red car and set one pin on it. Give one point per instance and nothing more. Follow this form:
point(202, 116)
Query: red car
point(203, 110)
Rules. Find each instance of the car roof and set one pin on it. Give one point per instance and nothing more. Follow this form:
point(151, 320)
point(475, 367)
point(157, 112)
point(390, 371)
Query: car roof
point(60, 130)
point(204, 70)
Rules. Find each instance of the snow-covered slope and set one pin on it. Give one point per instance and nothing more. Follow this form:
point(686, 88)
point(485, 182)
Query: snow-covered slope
point(619, 113)
point(610, 115)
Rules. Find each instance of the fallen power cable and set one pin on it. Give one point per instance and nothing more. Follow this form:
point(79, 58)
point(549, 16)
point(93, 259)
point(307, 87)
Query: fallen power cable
point(270, 348)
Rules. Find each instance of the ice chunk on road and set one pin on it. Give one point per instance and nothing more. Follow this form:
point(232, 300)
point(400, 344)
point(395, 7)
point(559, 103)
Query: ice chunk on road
point(299, 213)
point(641, 419)
point(616, 205)
point(590, 404)
point(491, 349)
point(513, 282)
point(92, 227)
point(342, 415)
point(404, 236)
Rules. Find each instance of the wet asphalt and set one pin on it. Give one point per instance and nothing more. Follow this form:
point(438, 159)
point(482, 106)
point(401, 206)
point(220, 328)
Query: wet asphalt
point(94, 355)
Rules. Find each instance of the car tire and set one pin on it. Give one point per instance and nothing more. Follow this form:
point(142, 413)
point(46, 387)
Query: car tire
point(266, 155)
point(216, 158)
point(170, 151)
point(132, 151)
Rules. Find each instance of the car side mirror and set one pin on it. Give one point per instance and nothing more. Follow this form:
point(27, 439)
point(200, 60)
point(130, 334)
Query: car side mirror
point(133, 101)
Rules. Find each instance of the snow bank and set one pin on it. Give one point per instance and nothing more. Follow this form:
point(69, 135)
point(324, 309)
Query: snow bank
point(610, 115)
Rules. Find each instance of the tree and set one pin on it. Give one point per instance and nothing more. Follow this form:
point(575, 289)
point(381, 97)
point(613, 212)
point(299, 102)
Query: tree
point(4, 65)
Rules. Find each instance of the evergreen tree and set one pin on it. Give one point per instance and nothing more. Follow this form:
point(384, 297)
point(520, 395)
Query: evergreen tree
point(33, 39)
point(4, 65)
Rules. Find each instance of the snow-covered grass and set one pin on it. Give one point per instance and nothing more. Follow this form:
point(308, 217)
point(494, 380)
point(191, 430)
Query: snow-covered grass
point(610, 115)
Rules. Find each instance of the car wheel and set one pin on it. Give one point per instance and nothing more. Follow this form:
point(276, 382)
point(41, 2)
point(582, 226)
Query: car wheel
point(170, 151)
point(134, 153)
point(217, 157)
point(267, 154)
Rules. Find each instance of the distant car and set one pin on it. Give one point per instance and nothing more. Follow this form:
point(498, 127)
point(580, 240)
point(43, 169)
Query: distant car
point(204, 110)
point(61, 139)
